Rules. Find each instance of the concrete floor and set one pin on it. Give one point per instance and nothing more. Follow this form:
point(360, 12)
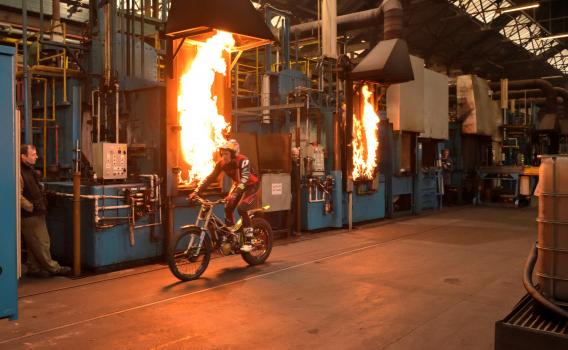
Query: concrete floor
point(436, 281)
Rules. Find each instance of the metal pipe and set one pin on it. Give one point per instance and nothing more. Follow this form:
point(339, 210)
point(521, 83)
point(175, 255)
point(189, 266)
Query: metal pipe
point(127, 19)
point(133, 37)
point(128, 218)
point(56, 136)
point(114, 207)
point(98, 116)
point(89, 196)
point(348, 166)
point(77, 215)
point(165, 8)
point(65, 100)
point(298, 175)
point(27, 113)
point(131, 225)
point(55, 13)
point(148, 225)
point(350, 210)
point(53, 116)
point(335, 120)
point(41, 69)
point(122, 37)
point(336, 143)
point(41, 19)
point(107, 44)
point(93, 104)
point(44, 126)
point(117, 117)
point(361, 19)
point(319, 32)
point(142, 6)
point(393, 22)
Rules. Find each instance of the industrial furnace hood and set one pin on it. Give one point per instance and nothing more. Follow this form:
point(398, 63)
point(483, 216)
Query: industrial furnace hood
point(387, 63)
point(198, 19)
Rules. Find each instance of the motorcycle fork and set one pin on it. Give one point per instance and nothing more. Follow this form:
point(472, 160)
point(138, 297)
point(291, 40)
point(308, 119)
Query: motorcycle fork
point(203, 229)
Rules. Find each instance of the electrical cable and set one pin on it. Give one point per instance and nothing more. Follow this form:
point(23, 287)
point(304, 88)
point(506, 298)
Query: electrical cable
point(531, 289)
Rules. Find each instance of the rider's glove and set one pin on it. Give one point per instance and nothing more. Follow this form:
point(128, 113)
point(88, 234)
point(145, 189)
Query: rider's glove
point(192, 196)
point(230, 198)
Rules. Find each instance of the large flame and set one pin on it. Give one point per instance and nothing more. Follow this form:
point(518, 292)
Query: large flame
point(365, 139)
point(201, 124)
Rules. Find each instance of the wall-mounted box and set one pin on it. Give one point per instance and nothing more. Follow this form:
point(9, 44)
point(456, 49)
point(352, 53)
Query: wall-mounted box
point(110, 160)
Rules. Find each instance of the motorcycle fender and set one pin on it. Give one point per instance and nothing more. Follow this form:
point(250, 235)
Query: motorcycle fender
point(186, 227)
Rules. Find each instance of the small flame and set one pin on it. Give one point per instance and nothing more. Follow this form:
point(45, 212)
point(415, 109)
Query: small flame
point(202, 127)
point(365, 139)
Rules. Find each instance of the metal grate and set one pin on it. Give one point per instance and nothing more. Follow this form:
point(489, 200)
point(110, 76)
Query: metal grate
point(528, 314)
point(530, 326)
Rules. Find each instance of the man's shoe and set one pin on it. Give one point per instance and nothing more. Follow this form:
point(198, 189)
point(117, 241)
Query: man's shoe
point(246, 248)
point(62, 271)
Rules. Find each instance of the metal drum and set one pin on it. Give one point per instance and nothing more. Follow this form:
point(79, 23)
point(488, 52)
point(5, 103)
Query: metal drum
point(552, 264)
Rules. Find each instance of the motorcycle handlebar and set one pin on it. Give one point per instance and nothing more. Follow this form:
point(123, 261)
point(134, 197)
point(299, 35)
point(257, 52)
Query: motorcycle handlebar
point(204, 201)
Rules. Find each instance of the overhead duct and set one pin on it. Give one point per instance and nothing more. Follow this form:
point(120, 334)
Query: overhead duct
point(198, 20)
point(389, 61)
point(349, 21)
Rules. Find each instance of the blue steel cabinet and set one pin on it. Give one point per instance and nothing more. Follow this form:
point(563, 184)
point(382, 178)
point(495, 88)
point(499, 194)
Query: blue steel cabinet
point(8, 200)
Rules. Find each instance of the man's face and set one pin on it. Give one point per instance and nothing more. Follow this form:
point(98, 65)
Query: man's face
point(31, 157)
point(226, 155)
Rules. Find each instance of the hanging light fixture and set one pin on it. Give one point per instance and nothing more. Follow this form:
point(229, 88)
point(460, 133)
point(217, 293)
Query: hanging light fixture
point(527, 6)
point(555, 36)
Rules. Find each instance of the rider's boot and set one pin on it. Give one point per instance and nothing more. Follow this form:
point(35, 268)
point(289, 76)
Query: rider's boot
point(248, 233)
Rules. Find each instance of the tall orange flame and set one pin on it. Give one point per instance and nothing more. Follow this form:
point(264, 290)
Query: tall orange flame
point(201, 124)
point(365, 139)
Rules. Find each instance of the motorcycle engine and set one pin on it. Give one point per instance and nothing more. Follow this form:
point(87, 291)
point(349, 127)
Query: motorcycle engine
point(226, 248)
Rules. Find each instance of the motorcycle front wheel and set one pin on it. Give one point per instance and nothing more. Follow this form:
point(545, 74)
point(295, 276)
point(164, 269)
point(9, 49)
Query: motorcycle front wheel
point(184, 261)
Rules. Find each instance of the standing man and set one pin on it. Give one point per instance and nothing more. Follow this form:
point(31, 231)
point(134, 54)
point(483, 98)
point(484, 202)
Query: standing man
point(34, 228)
point(447, 169)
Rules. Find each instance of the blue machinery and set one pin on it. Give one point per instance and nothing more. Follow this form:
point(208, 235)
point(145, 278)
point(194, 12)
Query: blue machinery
point(119, 97)
point(9, 251)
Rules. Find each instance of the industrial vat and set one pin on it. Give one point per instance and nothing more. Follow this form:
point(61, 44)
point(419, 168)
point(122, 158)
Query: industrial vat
point(552, 265)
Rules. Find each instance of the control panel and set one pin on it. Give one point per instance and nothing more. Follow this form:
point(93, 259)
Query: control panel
point(109, 160)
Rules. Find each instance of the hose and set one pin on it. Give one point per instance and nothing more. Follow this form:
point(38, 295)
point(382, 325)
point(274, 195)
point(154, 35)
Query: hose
point(531, 289)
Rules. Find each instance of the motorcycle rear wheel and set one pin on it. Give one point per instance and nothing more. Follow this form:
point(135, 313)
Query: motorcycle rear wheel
point(262, 242)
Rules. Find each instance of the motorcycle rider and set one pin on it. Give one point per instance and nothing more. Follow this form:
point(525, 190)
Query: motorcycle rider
point(244, 190)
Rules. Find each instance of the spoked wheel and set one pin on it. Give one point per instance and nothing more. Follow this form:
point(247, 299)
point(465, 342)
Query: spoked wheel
point(261, 243)
point(183, 260)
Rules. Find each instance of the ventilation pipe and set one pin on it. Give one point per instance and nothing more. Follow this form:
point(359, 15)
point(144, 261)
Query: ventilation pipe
point(56, 13)
point(359, 19)
point(389, 61)
point(392, 26)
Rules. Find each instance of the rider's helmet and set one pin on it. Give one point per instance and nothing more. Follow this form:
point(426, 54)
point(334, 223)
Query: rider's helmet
point(232, 146)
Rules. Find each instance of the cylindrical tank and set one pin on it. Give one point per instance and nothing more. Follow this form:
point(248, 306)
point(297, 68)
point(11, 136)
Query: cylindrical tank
point(552, 265)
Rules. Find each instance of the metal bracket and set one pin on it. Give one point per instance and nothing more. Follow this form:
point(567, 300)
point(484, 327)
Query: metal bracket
point(178, 48)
